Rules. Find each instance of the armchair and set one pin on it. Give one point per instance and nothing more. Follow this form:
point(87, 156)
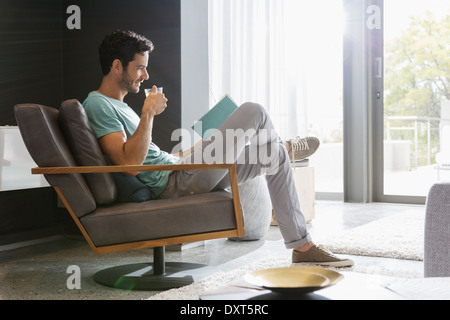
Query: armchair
point(66, 151)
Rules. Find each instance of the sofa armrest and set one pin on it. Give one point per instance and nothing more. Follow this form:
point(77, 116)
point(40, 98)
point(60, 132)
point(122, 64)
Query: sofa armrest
point(437, 231)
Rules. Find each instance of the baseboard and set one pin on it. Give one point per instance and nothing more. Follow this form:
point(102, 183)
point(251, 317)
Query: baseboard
point(22, 244)
point(25, 238)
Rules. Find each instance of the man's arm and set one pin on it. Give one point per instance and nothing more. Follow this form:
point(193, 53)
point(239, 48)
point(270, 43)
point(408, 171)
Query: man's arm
point(132, 151)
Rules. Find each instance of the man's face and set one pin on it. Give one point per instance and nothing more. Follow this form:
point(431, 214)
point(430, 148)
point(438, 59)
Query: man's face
point(135, 74)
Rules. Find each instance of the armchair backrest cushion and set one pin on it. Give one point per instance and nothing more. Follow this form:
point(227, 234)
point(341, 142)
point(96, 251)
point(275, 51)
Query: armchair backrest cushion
point(83, 143)
point(85, 149)
point(46, 144)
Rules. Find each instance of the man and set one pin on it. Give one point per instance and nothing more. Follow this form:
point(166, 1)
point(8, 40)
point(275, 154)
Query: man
point(126, 139)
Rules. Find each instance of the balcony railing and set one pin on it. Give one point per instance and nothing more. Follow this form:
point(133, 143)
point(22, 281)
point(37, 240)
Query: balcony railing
point(423, 132)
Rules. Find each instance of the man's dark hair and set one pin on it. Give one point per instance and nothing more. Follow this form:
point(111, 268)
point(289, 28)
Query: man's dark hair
point(122, 45)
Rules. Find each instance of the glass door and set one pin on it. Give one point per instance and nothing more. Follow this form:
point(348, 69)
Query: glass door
point(416, 120)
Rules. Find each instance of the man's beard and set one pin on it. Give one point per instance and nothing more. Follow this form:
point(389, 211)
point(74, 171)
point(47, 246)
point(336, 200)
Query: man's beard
point(127, 84)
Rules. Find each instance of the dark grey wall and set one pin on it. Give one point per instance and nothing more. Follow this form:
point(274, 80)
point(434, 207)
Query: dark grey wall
point(30, 54)
point(30, 71)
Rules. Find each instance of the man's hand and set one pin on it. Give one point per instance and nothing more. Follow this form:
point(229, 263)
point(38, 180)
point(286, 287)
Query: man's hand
point(155, 103)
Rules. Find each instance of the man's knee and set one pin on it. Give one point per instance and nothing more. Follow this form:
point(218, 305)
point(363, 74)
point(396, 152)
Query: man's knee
point(254, 109)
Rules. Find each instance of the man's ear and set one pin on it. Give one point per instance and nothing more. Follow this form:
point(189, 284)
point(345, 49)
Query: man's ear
point(117, 66)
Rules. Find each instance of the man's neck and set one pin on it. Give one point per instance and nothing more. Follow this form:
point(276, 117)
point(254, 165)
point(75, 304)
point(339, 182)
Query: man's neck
point(111, 89)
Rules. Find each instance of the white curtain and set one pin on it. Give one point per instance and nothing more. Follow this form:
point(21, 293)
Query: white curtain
point(268, 51)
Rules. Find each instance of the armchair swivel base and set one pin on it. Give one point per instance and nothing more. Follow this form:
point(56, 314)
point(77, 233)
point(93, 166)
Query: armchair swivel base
point(156, 276)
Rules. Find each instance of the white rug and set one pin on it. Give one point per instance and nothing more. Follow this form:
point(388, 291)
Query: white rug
point(400, 236)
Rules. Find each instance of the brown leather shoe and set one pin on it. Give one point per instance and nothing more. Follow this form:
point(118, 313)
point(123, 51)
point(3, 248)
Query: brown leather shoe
point(318, 255)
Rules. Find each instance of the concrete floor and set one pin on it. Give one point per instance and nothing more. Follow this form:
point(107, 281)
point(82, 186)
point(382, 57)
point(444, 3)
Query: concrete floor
point(39, 271)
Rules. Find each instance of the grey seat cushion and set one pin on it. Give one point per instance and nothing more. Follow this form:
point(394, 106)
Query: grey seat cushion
point(162, 218)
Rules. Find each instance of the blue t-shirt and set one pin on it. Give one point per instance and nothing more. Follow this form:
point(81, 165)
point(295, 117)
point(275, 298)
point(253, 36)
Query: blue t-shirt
point(107, 115)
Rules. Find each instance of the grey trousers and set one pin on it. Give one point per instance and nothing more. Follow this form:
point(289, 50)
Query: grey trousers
point(247, 138)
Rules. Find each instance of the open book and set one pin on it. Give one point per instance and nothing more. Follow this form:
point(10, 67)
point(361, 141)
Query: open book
point(215, 117)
